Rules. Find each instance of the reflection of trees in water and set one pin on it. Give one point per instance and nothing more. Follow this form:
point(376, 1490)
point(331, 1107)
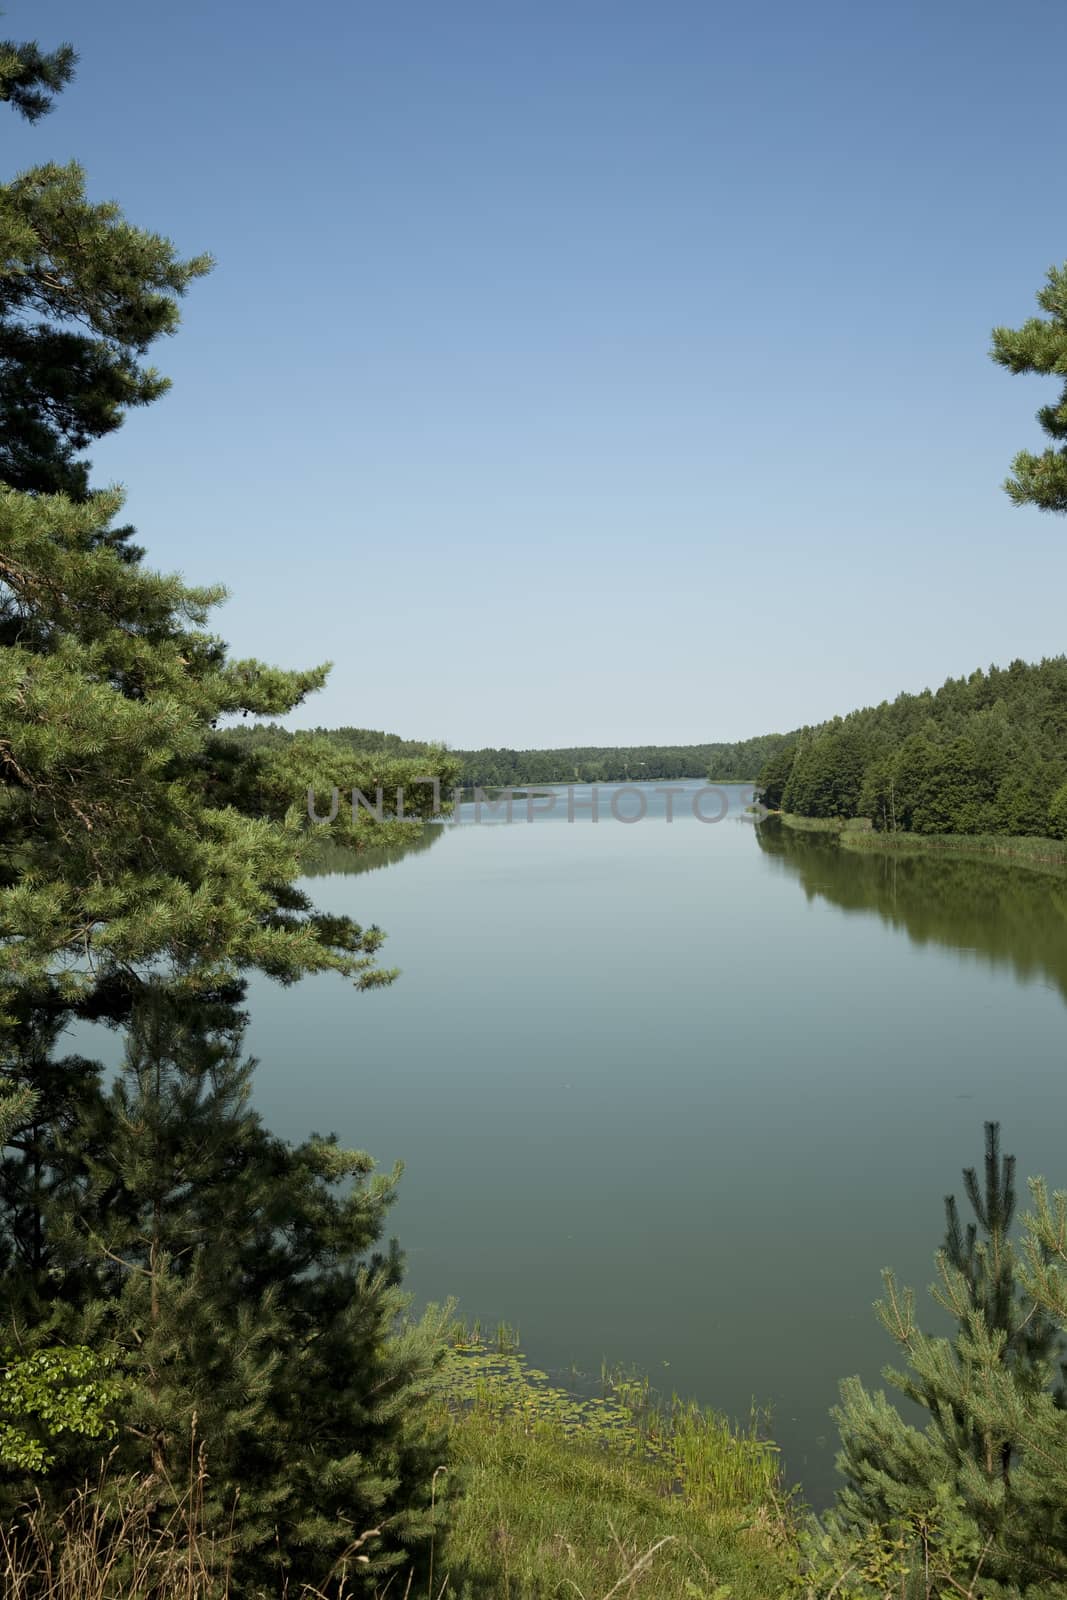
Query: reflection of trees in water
point(1006, 914)
point(333, 858)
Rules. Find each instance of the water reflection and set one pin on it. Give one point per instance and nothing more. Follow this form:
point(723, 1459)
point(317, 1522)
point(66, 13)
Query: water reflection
point(330, 859)
point(999, 912)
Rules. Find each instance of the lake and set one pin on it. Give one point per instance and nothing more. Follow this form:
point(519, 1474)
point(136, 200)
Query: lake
point(671, 1094)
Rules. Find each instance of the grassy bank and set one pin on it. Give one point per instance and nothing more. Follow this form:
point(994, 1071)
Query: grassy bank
point(1024, 851)
point(541, 1494)
point(856, 833)
point(555, 1495)
point(841, 825)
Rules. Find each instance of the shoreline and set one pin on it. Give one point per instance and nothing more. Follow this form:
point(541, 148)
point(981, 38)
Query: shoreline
point(856, 833)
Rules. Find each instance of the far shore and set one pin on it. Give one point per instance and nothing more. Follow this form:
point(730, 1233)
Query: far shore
point(859, 833)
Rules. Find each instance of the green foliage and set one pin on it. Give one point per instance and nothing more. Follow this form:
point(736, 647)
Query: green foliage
point(974, 1503)
point(1057, 813)
point(133, 834)
point(930, 1555)
point(236, 1288)
point(132, 831)
point(983, 755)
point(30, 77)
point(773, 776)
point(505, 768)
point(984, 1257)
point(61, 1390)
point(16, 1107)
point(127, 839)
point(826, 774)
point(1040, 345)
point(82, 296)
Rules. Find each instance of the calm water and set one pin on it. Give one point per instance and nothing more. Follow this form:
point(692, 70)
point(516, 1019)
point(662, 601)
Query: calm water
point(671, 1095)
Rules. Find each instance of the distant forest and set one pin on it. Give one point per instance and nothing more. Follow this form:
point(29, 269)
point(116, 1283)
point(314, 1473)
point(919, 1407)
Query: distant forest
point(985, 754)
point(581, 764)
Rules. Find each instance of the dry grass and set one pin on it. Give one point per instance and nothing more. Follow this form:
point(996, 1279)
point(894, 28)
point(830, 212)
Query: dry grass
point(110, 1543)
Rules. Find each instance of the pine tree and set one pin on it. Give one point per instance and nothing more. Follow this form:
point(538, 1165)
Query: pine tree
point(987, 1262)
point(983, 1488)
point(136, 849)
point(30, 77)
point(1040, 345)
point(146, 861)
point(118, 838)
point(130, 831)
point(83, 294)
point(235, 1288)
point(119, 846)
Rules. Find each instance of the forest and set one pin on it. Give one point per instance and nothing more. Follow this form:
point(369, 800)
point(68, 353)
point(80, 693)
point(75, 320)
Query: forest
point(982, 755)
point(506, 768)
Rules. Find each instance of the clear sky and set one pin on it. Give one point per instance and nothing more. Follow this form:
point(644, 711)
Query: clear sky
point(589, 371)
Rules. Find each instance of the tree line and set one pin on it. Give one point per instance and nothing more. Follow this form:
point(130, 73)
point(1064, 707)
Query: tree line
point(985, 754)
point(507, 768)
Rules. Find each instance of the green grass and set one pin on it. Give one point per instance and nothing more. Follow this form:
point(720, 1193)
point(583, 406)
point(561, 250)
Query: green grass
point(852, 825)
point(857, 833)
point(1033, 851)
point(554, 1494)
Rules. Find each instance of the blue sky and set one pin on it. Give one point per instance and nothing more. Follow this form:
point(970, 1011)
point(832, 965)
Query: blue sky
point(585, 372)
